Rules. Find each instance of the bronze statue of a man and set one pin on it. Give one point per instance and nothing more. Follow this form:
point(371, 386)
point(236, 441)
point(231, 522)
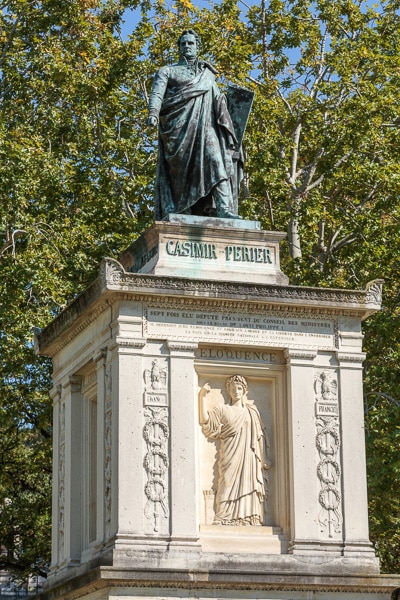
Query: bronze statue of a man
point(197, 170)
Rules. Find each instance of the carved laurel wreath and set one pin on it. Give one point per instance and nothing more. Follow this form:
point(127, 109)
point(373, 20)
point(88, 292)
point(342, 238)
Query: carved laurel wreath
point(149, 462)
point(335, 473)
point(148, 431)
point(320, 441)
point(155, 490)
point(325, 498)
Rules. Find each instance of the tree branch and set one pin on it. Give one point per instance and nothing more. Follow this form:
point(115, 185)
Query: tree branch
point(10, 242)
point(10, 38)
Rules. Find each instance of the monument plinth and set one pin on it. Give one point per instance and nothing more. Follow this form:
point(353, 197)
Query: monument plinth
point(208, 425)
point(212, 249)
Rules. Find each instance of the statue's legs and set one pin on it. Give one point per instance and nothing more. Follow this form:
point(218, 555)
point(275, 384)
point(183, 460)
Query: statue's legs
point(224, 201)
point(219, 203)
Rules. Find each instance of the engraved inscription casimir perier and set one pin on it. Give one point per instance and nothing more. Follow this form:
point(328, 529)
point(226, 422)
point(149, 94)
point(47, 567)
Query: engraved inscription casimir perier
point(328, 445)
point(156, 434)
point(242, 457)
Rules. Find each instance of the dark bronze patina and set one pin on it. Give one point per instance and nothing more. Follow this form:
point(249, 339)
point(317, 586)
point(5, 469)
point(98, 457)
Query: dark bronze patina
point(200, 133)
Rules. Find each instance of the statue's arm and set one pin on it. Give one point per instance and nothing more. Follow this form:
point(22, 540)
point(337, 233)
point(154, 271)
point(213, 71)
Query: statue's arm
point(216, 90)
point(203, 410)
point(157, 95)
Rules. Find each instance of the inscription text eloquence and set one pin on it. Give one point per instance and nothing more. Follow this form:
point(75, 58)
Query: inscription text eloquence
point(209, 251)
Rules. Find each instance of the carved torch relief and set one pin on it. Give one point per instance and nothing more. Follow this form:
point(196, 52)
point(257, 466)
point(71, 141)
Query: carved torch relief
point(156, 434)
point(328, 446)
point(61, 476)
point(108, 451)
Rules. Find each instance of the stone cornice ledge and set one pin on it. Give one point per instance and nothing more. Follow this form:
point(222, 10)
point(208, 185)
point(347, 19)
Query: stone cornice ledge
point(204, 579)
point(116, 278)
point(113, 278)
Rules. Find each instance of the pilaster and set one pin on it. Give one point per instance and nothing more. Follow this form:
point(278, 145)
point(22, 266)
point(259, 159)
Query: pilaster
point(354, 477)
point(73, 470)
point(183, 421)
point(128, 387)
point(100, 360)
point(302, 454)
point(58, 475)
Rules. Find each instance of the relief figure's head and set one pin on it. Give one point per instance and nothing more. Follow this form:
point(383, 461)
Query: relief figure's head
point(189, 44)
point(237, 388)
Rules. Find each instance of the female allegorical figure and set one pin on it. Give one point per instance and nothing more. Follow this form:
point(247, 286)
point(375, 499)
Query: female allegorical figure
point(242, 460)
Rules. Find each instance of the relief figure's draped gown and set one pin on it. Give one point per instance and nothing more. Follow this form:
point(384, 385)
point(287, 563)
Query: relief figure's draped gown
point(241, 480)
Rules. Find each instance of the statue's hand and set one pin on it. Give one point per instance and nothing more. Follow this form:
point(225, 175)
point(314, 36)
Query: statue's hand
point(205, 389)
point(152, 121)
point(267, 464)
point(203, 411)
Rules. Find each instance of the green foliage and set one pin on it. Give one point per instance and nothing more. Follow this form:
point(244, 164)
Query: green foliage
point(75, 185)
point(77, 167)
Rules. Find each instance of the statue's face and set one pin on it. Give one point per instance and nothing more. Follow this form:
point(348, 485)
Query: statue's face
point(236, 391)
point(188, 46)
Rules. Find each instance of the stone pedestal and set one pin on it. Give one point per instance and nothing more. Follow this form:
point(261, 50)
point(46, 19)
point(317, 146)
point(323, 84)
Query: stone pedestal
point(209, 249)
point(135, 479)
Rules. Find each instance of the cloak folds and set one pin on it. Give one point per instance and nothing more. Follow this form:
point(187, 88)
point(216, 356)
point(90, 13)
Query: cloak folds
point(196, 140)
point(241, 489)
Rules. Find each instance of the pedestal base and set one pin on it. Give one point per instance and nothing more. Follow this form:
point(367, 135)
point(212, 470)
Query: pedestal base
point(229, 579)
point(136, 478)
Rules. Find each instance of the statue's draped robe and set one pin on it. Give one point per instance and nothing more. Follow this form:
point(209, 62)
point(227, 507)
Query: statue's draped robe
point(195, 137)
point(241, 485)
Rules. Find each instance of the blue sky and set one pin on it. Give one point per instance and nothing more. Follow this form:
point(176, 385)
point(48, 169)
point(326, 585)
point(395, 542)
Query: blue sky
point(131, 17)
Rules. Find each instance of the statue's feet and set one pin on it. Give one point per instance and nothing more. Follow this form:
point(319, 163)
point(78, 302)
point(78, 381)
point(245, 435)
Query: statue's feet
point(225, 214)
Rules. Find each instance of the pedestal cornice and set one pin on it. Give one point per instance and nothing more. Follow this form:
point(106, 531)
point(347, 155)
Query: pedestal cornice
point(114, 284)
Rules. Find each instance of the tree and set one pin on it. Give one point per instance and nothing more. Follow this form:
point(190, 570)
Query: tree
point(74, 186)
point(330, 74)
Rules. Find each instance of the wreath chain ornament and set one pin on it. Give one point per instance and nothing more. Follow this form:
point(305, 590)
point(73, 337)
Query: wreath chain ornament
point(156, 463)
point(328, 471)
point(328, 444)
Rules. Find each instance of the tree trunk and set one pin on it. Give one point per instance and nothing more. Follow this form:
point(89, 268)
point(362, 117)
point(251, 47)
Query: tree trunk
point(294, 238)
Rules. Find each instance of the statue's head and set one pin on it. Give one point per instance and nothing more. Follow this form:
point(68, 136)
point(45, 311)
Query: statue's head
point(189, 43)
point(236, 386)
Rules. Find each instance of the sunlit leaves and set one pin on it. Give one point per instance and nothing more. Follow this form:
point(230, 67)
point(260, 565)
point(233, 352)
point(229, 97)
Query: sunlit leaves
point(76, 172)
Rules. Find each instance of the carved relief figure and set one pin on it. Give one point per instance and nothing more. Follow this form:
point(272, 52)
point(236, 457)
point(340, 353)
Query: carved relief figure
point(199, 160)
point(242, 459)
point(326, 387)
point(156, 377)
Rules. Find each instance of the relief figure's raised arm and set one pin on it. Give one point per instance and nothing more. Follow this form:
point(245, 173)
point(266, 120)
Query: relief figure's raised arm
point(203, 408)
